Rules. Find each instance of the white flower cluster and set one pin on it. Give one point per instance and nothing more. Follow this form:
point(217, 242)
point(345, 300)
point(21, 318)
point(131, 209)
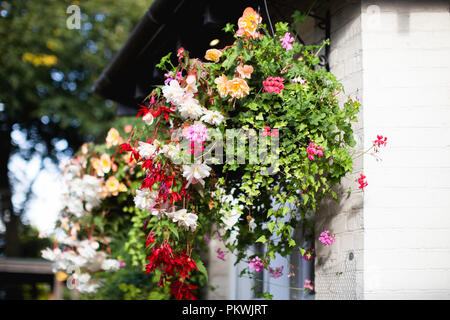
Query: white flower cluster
point(78, 260)
point(84, 194)
point(188, 106)
point(231, 212)
point(145, 200)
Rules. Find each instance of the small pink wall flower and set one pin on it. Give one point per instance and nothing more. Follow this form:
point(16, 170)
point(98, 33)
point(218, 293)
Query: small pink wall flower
point(326, 238)
point(273, 85)
point(314, 150)
point(287, 41)
point(267, 132)
point(256, 264)
point(362, 183)
point(380, 141)
point(220, 254)
point(277, 272)
point(309, 285)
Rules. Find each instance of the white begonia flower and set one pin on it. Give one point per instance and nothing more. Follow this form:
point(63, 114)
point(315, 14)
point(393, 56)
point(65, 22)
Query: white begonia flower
point(110, 265)
point(173, 92)
point(145, 199)
point(195, 173)
point(230, 218)
point(146, 150)
point(172, 151)
point(190, 109)
point(158, 212)
point(75, 206)
point(185, 219)
point(191, 85)
point(212, 117)
point(233, 237)
point(88, 249)
point(50, 254)
point(148, 119)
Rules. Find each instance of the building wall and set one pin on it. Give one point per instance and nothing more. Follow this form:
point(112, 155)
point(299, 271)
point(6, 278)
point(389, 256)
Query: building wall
point(406, 97)
point(392, 240)
point(339, 268)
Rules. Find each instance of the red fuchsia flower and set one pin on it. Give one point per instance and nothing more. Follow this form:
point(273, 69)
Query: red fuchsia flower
point(362, 183)
point(220, 254)
point(273, 85)
point(160, 257)
point(287, 41)
point(277, 272)
point(134, 153)
point(164, 111)
point(184, 265)
point(150, 239)
point(381, 141)
point(314, 150)
point(182, 290)
point(326, 238)
point(256, 264)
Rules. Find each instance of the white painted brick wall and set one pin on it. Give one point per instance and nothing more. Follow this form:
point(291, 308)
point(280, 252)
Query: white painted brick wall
point(406, 81)
point(336, 276)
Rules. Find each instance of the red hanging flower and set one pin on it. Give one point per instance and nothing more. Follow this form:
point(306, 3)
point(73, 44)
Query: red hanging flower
point(381, 141)
point(182, 290)
point(362, 183)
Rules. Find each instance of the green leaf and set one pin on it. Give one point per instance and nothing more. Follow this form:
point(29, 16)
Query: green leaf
point(201, 268)
point(262, 239)
point(174, 231)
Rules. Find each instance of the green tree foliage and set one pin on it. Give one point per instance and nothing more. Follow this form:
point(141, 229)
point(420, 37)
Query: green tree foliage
point(46, 76)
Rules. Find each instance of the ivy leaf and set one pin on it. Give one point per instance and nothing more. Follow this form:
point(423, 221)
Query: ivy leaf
point(262, 239)
point(302, 251)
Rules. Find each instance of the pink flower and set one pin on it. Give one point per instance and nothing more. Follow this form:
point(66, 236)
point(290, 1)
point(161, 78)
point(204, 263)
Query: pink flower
point(287, 41)
point(326, 239)
point(205, 237)
point(220, 254)
point(362, 183)
point(256, 264)
point(313, 150)
point(277, 272)
point(266, 132)
point(196, 133)
point(381, 141)
point(309, 285)
point(309, 255)
point(273, 85)
point(299, 80)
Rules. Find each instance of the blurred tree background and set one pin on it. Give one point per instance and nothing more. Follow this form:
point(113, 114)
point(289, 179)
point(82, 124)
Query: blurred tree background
point(47, 72)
